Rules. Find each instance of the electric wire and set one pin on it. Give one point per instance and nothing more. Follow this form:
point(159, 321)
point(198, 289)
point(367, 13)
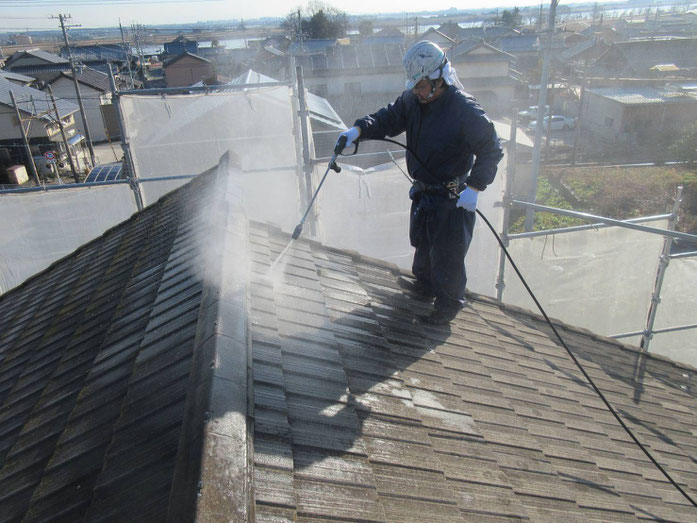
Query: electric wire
point(563, 343)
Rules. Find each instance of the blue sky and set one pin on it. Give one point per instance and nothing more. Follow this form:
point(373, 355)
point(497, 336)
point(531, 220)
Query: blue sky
point(33, 14)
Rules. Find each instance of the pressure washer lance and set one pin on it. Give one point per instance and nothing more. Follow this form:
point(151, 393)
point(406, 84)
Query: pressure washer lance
point(333, 166)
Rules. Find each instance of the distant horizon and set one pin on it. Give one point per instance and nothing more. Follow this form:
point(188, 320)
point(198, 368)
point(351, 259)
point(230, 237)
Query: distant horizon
point(91, 14)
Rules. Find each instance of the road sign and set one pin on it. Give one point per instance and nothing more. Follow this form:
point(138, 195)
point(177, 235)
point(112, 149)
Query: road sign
point(50, 155)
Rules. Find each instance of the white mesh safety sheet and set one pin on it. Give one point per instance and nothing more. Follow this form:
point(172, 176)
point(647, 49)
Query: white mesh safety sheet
point(175, 135)
point(597, 279)
point(41, 228)
point(678, 307)
point(368, 211)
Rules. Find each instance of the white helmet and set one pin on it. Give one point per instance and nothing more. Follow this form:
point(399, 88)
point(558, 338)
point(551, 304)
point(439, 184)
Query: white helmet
point(422, 60)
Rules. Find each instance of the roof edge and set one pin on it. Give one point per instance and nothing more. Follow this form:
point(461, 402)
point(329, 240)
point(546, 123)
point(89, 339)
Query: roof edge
point(211, 476)
point(579, 330)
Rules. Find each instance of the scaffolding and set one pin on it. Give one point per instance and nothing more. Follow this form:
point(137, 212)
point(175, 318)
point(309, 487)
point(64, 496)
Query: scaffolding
point(598, 222)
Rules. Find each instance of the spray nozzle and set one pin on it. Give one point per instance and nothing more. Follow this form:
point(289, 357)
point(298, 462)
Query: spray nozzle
point(298, 231)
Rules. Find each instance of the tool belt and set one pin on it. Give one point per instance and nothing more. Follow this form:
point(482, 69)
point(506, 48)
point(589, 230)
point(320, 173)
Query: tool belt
point(451, 188)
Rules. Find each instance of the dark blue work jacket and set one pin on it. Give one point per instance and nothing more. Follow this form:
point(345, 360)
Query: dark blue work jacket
point(452, 135)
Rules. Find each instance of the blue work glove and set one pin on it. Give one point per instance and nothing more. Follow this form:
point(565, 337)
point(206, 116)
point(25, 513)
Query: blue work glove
point(351, 135)
point(468, 199)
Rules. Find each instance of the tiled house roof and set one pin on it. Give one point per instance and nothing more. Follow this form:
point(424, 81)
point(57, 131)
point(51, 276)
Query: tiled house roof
point(165, 363)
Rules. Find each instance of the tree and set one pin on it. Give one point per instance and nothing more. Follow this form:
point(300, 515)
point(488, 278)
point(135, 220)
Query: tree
point(511, 19)
point(685, 147)
point(317, 20)
point(365, 28)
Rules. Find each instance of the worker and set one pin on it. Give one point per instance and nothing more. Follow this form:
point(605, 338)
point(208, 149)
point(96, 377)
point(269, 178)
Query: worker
point(452, 154)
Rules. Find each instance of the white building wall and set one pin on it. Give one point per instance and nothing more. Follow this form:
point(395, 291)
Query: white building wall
point(338, 85)
point(91, 99)
point(481, 69)
point(9, 130)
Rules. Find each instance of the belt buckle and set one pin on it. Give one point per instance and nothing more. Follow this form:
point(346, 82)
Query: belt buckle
point(452, 188)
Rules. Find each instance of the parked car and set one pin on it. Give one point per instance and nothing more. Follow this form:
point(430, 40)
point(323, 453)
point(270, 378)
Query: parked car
point(558, 123)
point(531, 113)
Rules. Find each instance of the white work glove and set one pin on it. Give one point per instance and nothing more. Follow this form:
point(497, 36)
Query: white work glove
point(468, 199)
point(351, 135)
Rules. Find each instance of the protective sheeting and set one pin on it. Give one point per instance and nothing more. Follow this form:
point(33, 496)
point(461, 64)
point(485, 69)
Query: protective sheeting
point(598, 279)
point(678, 308)
point(368, 211)
point(187, 134)
point(40, 228)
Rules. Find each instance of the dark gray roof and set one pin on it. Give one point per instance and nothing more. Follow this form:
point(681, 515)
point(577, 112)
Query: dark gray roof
point(91, 77)
point(521, 43)
point(38, 53)
point(639, 56)
point(33, 101)
point(144, 374)
point(169, 62)
point(9, 75)
point(364, 57)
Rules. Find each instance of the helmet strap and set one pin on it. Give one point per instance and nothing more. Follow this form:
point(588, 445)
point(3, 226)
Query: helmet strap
point(432, 82)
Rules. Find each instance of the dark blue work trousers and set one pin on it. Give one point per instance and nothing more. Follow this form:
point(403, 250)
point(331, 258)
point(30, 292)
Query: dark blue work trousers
point(441, 233)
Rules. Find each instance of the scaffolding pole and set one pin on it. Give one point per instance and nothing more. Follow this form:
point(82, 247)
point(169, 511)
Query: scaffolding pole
point(601, 219)
point(660, 275)
point(304, 114)
point(125, 145)
point(510, 173)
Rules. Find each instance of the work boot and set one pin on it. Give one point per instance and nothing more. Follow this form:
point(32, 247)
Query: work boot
point(417, 287)
point(442, 315)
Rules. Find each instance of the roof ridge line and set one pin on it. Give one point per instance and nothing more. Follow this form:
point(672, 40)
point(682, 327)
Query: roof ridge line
point(214, 450)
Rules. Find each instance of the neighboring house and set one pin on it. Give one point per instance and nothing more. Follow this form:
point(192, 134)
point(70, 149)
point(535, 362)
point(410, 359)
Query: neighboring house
point(181, 45)
point(582, 53)
point(19, 79)
point(440, 39)
point(188, 69)
point(485, 72)
point(41, 65)
point(44, 133)
point(95, 92)
point(352, 70)
point(524, 46)
point(636, 58)
point(159, 373)
point(637, 115)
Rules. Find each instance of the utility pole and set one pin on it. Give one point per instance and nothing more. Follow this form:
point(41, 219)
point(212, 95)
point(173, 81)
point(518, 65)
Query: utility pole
point(65, 139)
point(27, 148)
point(581, 97)
point(128, 55)
point(62, 19)
point(541, 103)
point(136, 37)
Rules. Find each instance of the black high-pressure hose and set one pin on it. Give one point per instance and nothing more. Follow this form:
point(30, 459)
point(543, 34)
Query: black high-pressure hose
point(561, 340)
